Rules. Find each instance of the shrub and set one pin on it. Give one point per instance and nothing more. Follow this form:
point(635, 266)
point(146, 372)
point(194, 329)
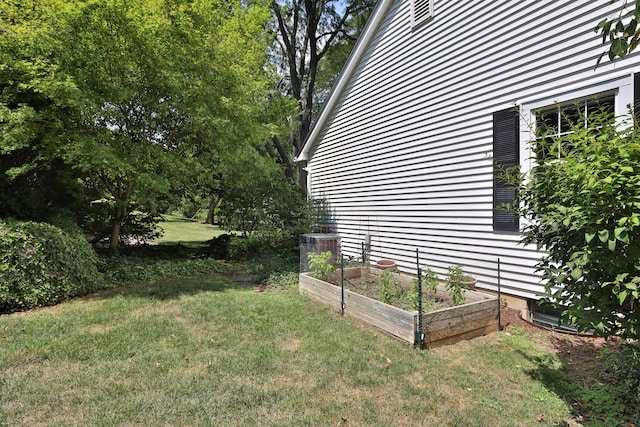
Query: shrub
point(219, 246)
point(276, 267)
point(241, 248)
point(42, 265)
point(262, 199)
point(582, 206)
point(279, 267)
point(321, 265)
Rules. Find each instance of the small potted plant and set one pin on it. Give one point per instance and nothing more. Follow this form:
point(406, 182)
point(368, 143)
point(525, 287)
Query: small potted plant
point(458, 283)
point(386, 264)
point(455, 274)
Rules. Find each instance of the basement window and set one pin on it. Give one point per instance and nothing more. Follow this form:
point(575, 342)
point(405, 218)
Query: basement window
point(549, 317)
point(422, 11)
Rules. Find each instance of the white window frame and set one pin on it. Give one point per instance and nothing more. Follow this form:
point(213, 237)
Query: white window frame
point(582, 103)
point(621, 88)
point(416, 7)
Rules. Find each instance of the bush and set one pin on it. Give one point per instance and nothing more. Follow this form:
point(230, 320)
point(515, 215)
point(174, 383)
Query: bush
point(219, 246)
point(581, 203)
point(240, 248)
point(263, 200)
point(42, 265)
point(276, 268)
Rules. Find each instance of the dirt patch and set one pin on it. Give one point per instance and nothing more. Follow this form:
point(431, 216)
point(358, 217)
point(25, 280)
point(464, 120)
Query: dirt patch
point(290, 344)
point(394, 293)
point(580, 356)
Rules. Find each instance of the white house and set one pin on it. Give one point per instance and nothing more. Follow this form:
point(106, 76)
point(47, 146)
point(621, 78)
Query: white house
point(436, 90)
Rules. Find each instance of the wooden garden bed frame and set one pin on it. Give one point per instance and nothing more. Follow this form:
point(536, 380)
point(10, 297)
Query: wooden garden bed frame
point(478, 316)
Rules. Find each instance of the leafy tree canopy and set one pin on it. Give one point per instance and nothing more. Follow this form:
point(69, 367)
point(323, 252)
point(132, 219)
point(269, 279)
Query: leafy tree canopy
point(130, 93)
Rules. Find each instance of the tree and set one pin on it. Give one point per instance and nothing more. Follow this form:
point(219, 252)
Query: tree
point(32, 98)
point(622, 30)
point(307, 30)
point(147, 87)
point(260, 198)
point(582, 204)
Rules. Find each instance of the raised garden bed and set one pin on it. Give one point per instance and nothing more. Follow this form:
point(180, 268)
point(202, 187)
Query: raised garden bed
point(477, 316)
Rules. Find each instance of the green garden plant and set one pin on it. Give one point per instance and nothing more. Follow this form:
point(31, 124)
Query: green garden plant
point(390, 288)
point(455, 284)
point(321, 265)
point(42, 265)
point(429, 283)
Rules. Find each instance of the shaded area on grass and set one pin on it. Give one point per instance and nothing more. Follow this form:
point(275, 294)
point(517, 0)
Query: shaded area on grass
point(174, 289)
point(576, 369)
point(211, 352)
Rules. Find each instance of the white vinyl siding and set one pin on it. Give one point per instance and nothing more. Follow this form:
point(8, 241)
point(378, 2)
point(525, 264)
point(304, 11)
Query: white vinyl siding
point(405, 154)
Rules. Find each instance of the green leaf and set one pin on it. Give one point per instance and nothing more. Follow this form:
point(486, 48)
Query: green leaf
point(618, 48)
point(622, 296)
point(588, 236)
point(620, 277)
point(603, 235)
point(599, 328)
point(576, 273)
point(612, 245)
point(621, 234)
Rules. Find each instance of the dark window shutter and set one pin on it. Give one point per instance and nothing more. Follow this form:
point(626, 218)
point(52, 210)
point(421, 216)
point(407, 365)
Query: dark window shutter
point(506, 149)
point(636, 96)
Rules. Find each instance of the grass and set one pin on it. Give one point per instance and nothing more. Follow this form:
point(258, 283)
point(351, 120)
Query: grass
point(189, 232)
point(205, 351)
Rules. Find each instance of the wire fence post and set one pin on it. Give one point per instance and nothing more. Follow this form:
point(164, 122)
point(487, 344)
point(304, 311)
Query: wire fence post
point(342, 283)
point(419, 335)
point(499, 299)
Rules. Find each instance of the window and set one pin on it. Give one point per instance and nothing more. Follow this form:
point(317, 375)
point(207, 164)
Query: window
point(422, 11)
point(558, 120)
point(506, 149)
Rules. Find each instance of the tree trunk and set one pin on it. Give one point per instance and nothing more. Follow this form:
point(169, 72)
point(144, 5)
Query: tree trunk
point(212, 209)
point(119, 214)
point(302, 177)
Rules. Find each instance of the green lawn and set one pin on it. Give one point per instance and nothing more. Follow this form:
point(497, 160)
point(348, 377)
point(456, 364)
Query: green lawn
point(186, 231)
point(208, 352)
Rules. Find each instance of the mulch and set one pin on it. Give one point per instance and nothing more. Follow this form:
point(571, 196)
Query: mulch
point(577, 351)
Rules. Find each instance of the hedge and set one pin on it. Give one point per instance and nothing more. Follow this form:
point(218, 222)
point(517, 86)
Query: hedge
point(41, 265)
